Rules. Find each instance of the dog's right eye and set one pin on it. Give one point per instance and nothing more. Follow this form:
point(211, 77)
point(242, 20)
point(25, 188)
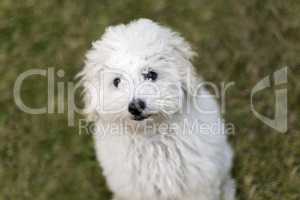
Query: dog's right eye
point(151, 75)
point(116, 82)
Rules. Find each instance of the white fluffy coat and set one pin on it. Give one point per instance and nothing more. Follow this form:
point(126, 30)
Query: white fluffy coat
point(167, 164)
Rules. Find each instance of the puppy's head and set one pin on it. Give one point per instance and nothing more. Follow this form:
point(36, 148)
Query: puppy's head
point(137, 71)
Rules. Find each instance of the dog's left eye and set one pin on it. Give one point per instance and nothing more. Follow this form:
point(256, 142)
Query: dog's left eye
point(116, 82)
point(151, 75)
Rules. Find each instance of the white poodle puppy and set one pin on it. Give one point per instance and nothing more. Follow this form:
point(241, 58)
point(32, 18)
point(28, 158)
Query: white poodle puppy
point(159, 134)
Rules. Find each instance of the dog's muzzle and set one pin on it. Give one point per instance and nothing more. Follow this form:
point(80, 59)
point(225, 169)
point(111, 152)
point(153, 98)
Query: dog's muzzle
point(136, 108)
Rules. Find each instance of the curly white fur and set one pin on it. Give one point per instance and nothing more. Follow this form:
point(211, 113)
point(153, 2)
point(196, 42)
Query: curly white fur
point(179, 163)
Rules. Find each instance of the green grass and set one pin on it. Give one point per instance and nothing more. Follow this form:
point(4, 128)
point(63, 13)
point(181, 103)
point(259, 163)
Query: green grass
point(241, 41)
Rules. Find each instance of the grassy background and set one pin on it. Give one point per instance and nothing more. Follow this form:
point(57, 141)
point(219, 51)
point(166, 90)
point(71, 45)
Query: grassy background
point(241, 41)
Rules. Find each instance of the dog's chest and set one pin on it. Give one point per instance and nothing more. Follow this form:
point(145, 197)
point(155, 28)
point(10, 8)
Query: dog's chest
point(154, 166)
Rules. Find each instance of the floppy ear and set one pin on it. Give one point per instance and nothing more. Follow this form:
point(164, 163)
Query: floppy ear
point(197, 95)
point(90, 79)
point(182, 47)
point(191, 81)
point(184, 53)
point(94, 63)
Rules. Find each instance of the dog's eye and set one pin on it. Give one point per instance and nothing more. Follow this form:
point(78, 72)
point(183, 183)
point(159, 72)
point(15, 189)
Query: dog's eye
point(116, 82)
point(151, 75)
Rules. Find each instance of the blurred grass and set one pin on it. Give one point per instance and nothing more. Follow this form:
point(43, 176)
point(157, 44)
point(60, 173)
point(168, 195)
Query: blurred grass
point(241, 41)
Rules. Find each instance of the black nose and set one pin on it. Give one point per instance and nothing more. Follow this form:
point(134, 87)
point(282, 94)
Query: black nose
point(136, 107)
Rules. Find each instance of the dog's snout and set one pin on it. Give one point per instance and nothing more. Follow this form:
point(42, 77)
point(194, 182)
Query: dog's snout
point(136, 107)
